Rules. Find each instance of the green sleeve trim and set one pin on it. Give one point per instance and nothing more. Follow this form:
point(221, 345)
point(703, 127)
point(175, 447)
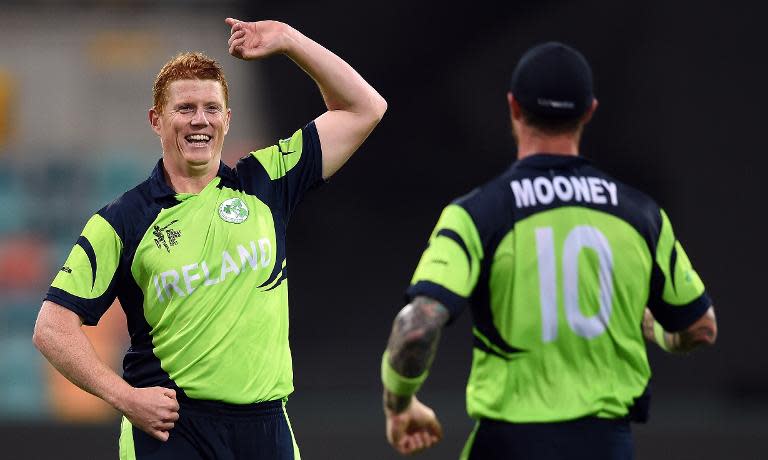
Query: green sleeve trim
point(658, 335)
point(398, 384)
point(100, 256)
point(682, 284)
point(278, 159)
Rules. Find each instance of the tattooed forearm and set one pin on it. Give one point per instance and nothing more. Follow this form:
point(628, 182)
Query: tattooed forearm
point(396, 403)
point(413, 342)
point(415, 335)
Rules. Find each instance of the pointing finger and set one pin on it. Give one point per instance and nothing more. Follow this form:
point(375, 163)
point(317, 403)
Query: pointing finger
point(236, 25)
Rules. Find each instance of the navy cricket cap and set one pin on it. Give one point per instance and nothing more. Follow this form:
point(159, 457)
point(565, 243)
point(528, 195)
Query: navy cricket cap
point(553, 80)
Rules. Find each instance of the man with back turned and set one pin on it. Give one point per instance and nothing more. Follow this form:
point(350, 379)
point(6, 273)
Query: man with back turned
point(557, 262)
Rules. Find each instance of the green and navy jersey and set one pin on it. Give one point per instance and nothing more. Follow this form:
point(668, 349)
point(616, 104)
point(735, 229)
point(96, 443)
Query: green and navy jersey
point(202, 277)
point(558, 262)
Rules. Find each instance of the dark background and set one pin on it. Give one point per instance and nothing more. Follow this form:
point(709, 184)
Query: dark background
point(681, 116)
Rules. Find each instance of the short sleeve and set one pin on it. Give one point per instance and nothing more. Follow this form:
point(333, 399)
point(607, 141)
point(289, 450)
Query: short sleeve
point(450, 266)
point(85, 283)
point(284, 172)
point(677, 297)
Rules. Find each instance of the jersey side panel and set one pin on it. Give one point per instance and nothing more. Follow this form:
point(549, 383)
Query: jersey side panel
point(132, 215)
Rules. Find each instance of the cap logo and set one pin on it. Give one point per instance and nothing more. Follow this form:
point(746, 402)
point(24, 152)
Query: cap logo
point(555, 104)
point(233, 210)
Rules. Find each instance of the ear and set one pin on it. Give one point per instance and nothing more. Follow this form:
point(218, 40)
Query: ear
point(591, 111)
point(514, 107)
point(154, 120)
point(226, 122)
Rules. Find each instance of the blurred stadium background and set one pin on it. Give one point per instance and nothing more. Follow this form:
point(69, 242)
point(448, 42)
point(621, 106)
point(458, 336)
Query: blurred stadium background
point(682, 111)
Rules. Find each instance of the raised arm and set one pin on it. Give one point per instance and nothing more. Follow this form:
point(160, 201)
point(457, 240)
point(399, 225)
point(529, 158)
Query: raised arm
point(702, 332)
point(411, 426)
point(59, 337)
point(354, 107)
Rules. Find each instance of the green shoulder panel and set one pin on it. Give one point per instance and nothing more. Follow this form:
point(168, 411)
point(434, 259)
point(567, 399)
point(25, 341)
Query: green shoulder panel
point(92, 264)
point(682, 284)
point(453, 256)
point(281, 158)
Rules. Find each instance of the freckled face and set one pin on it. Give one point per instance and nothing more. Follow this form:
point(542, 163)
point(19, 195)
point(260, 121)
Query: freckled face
point(192, 124)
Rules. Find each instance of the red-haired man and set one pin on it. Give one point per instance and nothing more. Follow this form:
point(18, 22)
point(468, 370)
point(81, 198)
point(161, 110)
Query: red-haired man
point(196, 255)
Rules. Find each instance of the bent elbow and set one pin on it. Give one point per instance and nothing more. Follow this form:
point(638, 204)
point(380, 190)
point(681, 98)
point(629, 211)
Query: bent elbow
point(38, 336)
point(708, 334)
point(380, 107)
point(705, 336)
point(45, 328)
point(377, 107)
point(701, 333)
point(710, 337)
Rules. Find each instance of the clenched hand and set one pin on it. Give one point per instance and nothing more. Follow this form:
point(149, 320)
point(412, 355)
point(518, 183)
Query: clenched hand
point(414, 429)
point(153, 410)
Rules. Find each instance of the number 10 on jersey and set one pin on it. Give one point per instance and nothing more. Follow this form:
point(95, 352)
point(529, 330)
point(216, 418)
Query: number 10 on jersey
point(578, 239)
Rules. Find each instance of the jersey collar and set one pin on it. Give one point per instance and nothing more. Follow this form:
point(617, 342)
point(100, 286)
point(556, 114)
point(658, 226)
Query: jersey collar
point(160, 189)
point(550, 160)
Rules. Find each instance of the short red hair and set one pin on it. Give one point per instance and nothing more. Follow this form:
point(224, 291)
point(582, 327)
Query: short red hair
point(187, 66)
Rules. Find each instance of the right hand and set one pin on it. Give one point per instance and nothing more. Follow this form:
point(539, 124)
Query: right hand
point(153, 410)
point(255, 40)
point(414, 429)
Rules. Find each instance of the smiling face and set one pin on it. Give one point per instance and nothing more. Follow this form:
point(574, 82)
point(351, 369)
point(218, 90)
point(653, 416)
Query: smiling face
point(192, 124)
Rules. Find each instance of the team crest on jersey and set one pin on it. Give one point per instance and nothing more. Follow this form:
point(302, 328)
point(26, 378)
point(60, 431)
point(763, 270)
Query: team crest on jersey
point(233, 210)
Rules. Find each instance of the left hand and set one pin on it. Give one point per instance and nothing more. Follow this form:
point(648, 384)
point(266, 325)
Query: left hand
point(414, 429)
point(256, 40)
